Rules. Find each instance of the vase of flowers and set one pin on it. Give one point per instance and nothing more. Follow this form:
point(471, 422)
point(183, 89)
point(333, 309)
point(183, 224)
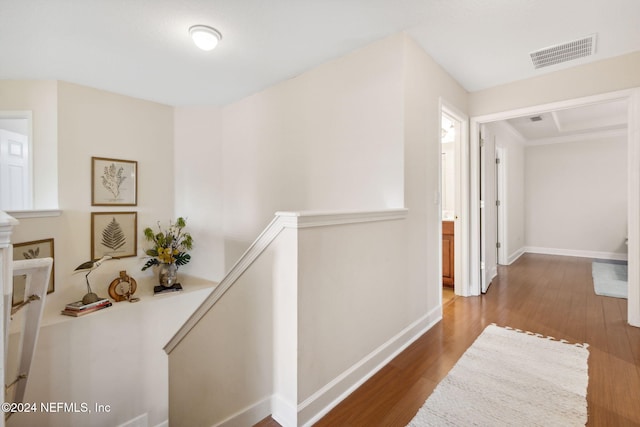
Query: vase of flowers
point(169, 250)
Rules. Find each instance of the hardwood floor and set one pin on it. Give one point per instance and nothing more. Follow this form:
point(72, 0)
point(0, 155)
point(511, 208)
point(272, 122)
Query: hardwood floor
point(549, 295)
point(447, 294)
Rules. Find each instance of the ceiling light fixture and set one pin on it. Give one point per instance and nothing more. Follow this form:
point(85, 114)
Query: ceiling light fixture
point(206, 38)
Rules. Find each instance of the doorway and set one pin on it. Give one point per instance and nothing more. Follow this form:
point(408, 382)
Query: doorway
point(630, 98)
point(453, 131)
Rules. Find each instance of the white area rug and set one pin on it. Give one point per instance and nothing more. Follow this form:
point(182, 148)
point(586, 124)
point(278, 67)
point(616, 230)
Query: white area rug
point(511, 378)
point(610, 279)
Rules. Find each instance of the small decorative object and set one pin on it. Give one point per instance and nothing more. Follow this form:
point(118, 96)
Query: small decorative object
point(30, 250)
point(79, 308)
point(157, 290)
point(123, 287)
point(169, 250)
point(114, 234)
point(89, 266)
point(113, 182)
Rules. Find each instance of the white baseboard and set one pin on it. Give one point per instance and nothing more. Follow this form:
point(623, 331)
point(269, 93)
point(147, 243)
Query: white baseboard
point(283, 411)
point(514, 256)
point(576, 253)
point(250, 415)
point(493, 273)
point(325, 399)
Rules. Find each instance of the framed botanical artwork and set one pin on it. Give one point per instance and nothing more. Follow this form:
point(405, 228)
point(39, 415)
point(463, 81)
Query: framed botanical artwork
point(114, 182)
point(114, 234)
point(30, 250)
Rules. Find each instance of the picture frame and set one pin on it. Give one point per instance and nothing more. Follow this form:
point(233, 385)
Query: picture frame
point(29, 250)
point(114, 234)
point(114, 182)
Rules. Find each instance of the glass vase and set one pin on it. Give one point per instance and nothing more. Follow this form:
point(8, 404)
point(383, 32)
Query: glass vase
point(168, 274)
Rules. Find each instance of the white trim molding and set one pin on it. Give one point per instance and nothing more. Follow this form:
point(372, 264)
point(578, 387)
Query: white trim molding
point(7, 223)
point(325, 399)
point(307, 219)
point(633, 208)
point(576, 253)
point(632, 96)
point(514, 256)
point(36, 213)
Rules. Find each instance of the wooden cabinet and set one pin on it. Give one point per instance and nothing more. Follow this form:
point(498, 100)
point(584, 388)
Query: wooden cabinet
point(447, 253)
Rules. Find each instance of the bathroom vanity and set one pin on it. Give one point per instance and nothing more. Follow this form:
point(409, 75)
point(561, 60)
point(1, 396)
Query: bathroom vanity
point(447, 253)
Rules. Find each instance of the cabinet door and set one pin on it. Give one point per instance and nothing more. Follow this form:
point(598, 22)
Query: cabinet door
point(447, 253)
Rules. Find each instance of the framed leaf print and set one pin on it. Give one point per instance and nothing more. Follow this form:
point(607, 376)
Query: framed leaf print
point(114, 234)
point(114, 182)
point(30, 250)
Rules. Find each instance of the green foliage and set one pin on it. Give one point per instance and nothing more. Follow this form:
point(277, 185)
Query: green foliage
point(169, 245)
point(150, 263)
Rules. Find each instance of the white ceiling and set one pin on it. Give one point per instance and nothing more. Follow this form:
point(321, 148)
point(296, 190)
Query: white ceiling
point(574, 124)
point(141, 48)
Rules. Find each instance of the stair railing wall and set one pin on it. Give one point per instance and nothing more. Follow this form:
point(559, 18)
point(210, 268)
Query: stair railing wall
point(305, 316)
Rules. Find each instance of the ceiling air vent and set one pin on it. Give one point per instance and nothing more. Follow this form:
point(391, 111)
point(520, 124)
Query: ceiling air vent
point(536, 118)
point(564, 52)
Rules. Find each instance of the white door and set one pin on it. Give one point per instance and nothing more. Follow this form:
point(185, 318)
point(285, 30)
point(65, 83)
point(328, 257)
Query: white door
point(15, 188)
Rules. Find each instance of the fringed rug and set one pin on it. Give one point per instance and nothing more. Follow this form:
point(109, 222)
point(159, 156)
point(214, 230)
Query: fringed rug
point(512, 378)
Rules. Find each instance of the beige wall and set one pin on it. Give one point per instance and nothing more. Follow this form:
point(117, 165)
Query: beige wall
point(199, 190)
point(425, 82)
point(97, 123)
point(357, 133)
point(576, 196)
point(331, 138)
point(608, 75)
point(87, 122)
point(90, 122)
point(361, 132)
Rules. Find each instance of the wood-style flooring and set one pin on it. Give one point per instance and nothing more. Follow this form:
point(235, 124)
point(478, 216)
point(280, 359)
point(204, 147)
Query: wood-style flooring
point(549, 295)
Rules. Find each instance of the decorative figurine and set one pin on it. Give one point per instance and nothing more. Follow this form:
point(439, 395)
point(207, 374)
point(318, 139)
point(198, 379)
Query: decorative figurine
point(123, 287)
point(89, 266)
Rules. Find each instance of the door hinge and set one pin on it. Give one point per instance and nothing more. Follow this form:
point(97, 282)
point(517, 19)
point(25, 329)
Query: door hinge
point(481, 142)
point(497, 161)
point(498, 245)
point(497, 202)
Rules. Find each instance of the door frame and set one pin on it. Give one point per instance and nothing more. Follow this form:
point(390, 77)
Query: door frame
point(501, 196)
point(461, 223)
point(632, 96)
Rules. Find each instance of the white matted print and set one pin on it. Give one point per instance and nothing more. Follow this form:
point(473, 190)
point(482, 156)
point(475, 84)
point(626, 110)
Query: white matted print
point(114, 182)
point(114, 234)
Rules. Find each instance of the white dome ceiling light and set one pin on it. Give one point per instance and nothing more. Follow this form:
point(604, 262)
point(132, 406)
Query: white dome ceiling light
point(205, 37)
